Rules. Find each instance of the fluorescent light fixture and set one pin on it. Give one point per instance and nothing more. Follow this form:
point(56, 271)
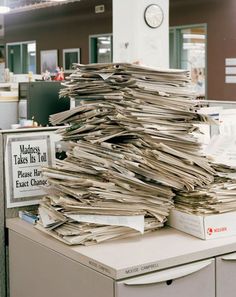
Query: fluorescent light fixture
point(103, 51)
point(104, 37)
point(193, 46)
point(194, 36)
point(4, 9)
point(31, 47)
point(105, 41)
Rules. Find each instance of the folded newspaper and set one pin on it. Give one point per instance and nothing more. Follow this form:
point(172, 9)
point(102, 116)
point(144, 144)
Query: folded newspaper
point(130, 146)
point(215, 198)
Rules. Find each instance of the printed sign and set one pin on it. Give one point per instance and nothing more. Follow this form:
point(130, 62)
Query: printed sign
point(25, 156)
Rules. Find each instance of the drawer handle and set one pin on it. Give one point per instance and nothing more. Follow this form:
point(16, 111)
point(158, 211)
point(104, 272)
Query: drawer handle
point(229, 257)
point(168, 274)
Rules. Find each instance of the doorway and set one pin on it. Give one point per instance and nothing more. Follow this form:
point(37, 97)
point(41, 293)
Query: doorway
point(100, 48)
point(188, 48)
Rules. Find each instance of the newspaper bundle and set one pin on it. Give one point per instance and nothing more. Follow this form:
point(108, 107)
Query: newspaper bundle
point(130, 147)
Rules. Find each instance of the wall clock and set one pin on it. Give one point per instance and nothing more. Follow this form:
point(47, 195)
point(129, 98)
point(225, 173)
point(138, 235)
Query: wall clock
point(153, 15)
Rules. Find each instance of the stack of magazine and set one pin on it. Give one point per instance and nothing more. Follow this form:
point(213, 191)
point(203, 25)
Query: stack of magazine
point(130, 146)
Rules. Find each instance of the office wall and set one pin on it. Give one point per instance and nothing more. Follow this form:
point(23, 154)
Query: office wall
point(221, 40)
point(68, 26)
point(58, 27)
point(149, 46)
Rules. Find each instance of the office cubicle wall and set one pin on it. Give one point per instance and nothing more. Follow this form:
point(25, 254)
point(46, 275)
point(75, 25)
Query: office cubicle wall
point(12, 212)
point(8, 113)
point(2, 225)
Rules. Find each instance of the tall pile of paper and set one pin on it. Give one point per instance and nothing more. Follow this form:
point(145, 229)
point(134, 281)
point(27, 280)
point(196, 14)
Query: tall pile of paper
point(129, 148)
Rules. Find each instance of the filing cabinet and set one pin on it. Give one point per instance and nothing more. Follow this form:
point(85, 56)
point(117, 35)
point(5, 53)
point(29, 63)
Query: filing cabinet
point(226, 275)
point(195, 279)
point(59, 276)
point(45, 273)
point(160, 264)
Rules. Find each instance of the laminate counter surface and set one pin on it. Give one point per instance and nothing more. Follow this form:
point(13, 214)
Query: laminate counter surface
point(120, 259)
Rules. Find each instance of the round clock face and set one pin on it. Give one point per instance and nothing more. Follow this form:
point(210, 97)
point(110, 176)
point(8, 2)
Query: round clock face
point(153, 15)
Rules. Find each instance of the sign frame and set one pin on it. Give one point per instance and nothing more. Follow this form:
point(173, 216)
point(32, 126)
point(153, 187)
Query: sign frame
point(43, 145)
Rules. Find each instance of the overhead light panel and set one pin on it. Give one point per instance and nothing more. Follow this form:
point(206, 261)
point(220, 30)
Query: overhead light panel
point(17, 6)
point(3, 7)
point(194, 36)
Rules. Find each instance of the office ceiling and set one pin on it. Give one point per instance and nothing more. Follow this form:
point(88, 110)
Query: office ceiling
point(24, 5)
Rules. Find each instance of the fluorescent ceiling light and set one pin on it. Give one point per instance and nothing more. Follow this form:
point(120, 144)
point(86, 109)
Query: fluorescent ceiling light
point(103, 51)
point(4, 9)
point(189, 46)
point(31, 47)
point(104, 37)
point(195, 36)
point(105, 41)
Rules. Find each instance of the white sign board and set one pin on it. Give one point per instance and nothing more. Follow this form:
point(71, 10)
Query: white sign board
point(230, 70)
point(230, 79)
point(25, 155)
point(230, 61)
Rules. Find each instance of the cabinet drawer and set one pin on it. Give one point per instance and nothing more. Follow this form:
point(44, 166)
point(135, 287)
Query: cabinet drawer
point(195, 279)
point(226, 275)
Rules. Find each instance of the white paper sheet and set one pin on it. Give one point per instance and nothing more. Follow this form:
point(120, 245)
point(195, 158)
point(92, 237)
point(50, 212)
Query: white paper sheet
point(134, 222)
point(212, 111)
point(228, 122)
point(105, 75)
point(47, 220)
point(222, 149)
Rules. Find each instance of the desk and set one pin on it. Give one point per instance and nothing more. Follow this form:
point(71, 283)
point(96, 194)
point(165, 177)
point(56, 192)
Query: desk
point(163, 263)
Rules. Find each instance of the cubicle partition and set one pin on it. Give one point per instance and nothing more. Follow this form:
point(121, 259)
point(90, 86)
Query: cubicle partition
point(40, 99)
point(21, 151)
point(8, 113)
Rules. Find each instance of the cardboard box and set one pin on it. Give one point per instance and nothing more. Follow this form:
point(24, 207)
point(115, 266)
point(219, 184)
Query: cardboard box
point(204, 227)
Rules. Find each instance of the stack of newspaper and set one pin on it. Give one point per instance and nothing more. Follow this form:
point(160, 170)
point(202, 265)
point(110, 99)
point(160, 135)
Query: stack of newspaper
point(130, 147)
point(217, 197)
